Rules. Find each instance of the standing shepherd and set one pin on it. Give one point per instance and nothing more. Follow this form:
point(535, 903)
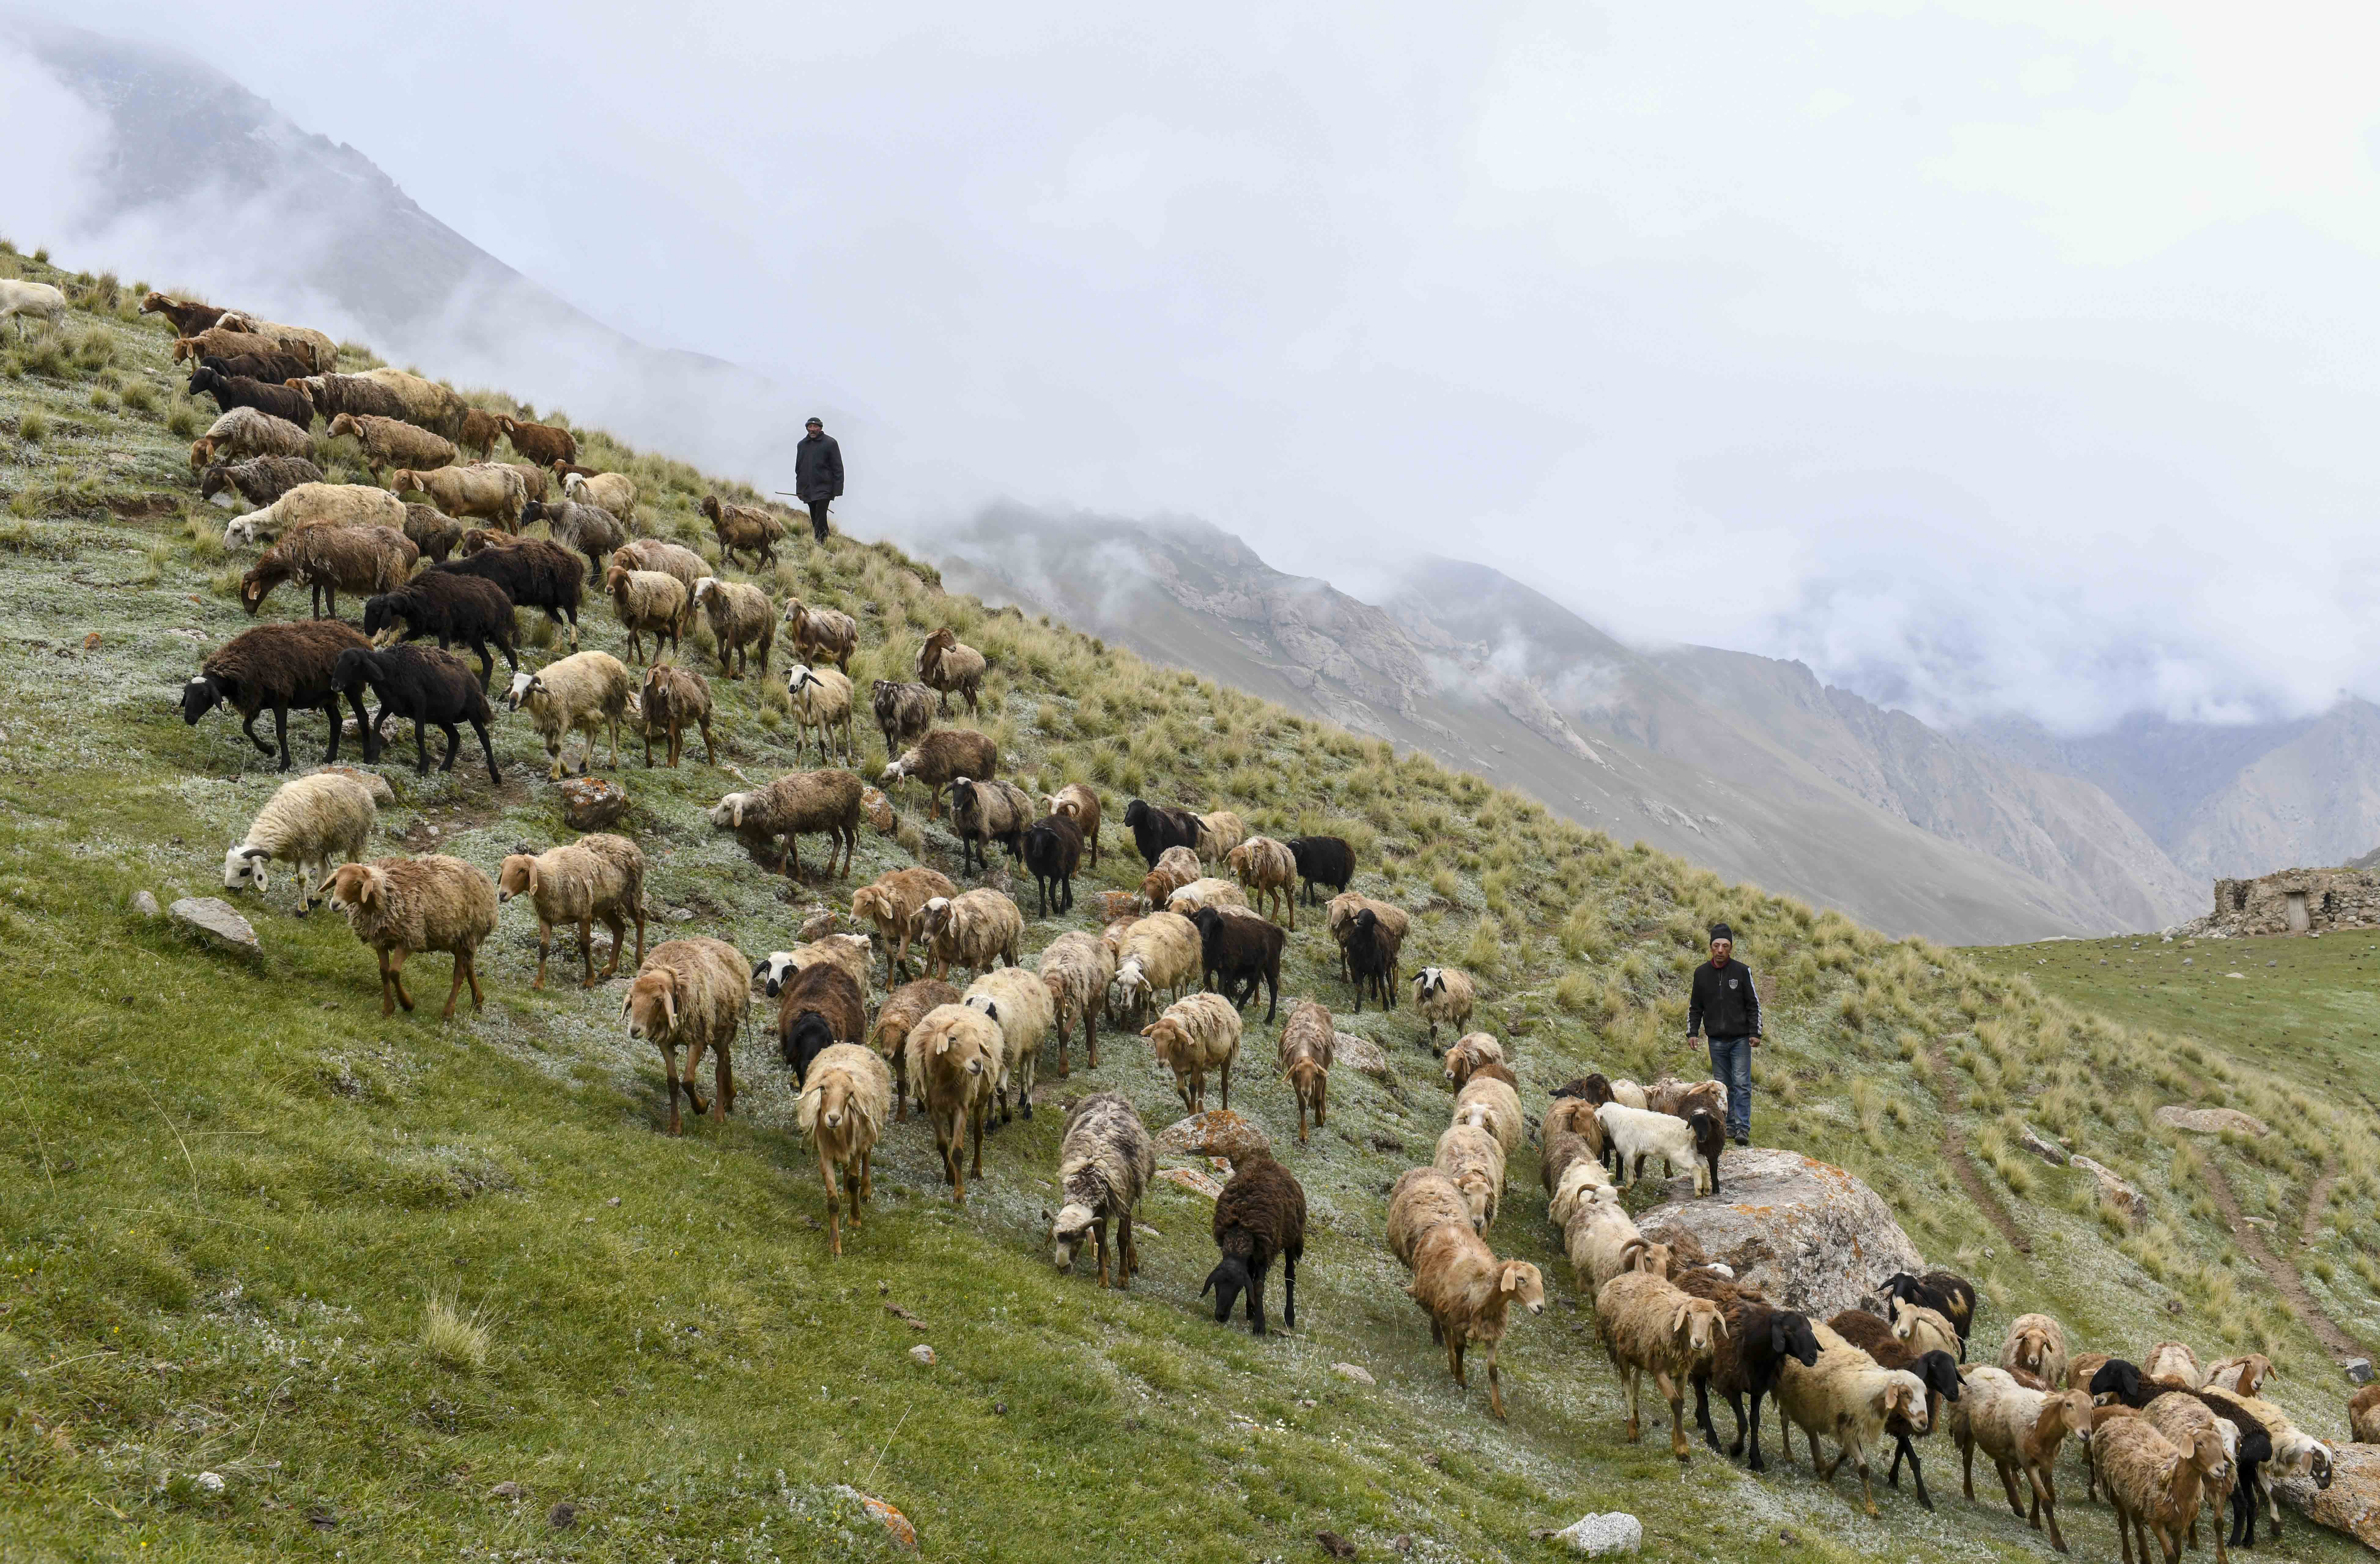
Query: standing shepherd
point(1725, 1004)
point(818, 475)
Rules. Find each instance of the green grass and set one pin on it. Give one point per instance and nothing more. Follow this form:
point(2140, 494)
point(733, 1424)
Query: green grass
point(367, 1270)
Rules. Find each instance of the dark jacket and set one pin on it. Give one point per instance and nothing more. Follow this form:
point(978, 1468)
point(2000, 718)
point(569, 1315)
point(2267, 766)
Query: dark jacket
point(818, 468)
point(1725, 1000)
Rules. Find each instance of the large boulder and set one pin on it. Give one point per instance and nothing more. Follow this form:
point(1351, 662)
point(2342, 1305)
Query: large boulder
point(2210, 1121)
point(1218, 1132)
point(1810, 1236)
point(2351, 1503)
point(592, 803)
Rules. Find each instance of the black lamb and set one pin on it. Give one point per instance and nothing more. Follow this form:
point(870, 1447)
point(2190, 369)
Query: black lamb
point(1053, 851)
point(1371, 953)
point(432, 689)
point(589, 529)
point(1260, 1213)
point(1322, 860)
point(1953, 1296)
point(452, 607)
point(533, 573)
point(1710, 1137)
point(2123, 1380)
point(281, 666)
point(1240, 953)
point(2256, 1448)
point(1154, 830)
point(265, 396)
point(1747, 1360)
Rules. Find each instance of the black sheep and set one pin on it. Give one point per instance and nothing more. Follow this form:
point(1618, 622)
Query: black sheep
point(533, 573)
point(281, 666)
point(1154, 830)
point(272, 369)
point(1053, 851)
point(452, 607)
point(1238, 953)
point(2256, 1448)
point(2123, 1380)
point(1951, 1295)
point(1710, 1136)
point(1260, 1213)
point(1322, 860)
point(265, 396)
point(1371, 955)
point(432, 689)
point(1749, 1360)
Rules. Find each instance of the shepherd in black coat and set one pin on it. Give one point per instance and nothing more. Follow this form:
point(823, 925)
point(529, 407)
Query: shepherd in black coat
point(1260, 1213)
point(434, 688)
point(818, 475)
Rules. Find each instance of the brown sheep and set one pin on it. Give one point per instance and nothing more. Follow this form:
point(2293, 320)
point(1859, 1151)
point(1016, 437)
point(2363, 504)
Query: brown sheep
point(802, 801)
point(942, 758)
point(362, 559)
point(478, 435)
point(743, 529)
point(949, 665)
point(188, 317)
point(1076, 801)
point(1306, 1044)
point(691, 992)
point(903, 1008)
point(821, 635)
point(392, 442)
point(402, 906)
point(672, 698)
point(842, 1107)
point(821, 1005)
point(895, 904)
point(542, 443)
point(953, 1062)
point(1467, 1293)
point(599, 877)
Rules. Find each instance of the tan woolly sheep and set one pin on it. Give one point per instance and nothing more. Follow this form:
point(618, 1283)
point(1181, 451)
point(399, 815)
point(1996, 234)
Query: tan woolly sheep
point(1473, 1050)
point(1019, 1003)
point(1307, 1043)
point(1421, 1199)
point(403, 906)
point(1105, 1163)
point(1443, 994)
point(895, 904)
point(1219, 833)
point(586, 690)
point(392, 442)
point(1079, 803)
point(902, 1009)
point(672, 699)
point(845, 1101)
point(1471, 1158)
point(1158, 955)
point(2154, 1487)
point(2036, 1344)
point(1846, 1396)
point(1468, 1295)
point(823, 635)
point(691, 993)
point(954, 1069)
point(1205, 893)
point(1076, 969)
point(742, 625)
point(1194, 1035)
point(646, 601)
point(2018, 1429)
point(821, 700)
point(1176, 868)
point(948, 666)
point(599, 877)
point(974, 931)
point(1648, 1327)
point(801, 801)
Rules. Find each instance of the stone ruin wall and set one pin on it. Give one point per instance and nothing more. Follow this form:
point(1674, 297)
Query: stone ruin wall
point(2333, 899)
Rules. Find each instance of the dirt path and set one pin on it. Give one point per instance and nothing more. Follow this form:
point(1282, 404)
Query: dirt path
point(2280, 1272)
point(1954, 1147)
point(2317, 1202)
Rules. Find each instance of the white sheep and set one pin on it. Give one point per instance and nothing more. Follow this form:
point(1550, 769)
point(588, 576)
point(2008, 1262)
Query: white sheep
point(974, 930)
point(1637, 1133)
point(585, 690)
point(1193, 1036)
point(315, 823)
point(1158, 955)
point(1205, 893)
point(1846, 1396)
point(31, 301)
point(316, 504)
point(1495, 1106)
point(1018, 1003)
point(821, 699)
point(1076, 969)
point(1443, 993)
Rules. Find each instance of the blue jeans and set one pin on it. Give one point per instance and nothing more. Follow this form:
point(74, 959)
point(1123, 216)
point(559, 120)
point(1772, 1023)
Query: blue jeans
point(1732, 1062)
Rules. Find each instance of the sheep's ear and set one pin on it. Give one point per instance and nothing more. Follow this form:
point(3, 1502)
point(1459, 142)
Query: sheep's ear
point(1510, 1280)
point(532, 877)
point(735, 813)
point(1722, 1325)
point(669, 1006)
point(1678, 1319)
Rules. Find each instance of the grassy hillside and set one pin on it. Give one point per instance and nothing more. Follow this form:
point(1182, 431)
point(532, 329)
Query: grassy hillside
point(408, 1287)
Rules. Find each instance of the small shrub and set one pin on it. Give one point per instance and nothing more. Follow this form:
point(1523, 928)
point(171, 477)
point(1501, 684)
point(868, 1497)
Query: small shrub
point(140, 397)
point(33, 428)
point(183, 422)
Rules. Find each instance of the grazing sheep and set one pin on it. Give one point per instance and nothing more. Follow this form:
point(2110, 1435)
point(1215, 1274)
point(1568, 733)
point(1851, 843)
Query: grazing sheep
point(313, 823)
point(2181, 1417)
point(691, 993)
point(1265, 868)
point(534, 573)
point(1493, 1106)
point(260, 479)
point(1075, 801)
point(1077, 970)
point(314, 504)
point(403, 906)
point(1370, 951)
point(741, 623)
point(2154, 1487)
point(2243, 1375)
point(246, 432)
point(436, 536)
point(821, 700)
point(1636, 1133)
point(425, 402)
point(430, 689)
point(648, 600)
point(1473, 1160)
point(842, 1106)
point(1219, 833)
point(1260, 1215)
point(334, 395)
point(672, 698)
point(1849, 1397)
point(1207, 891)
point(1322, 860)
point(1176, 868)
point(1193, 1036)
point(298, 342)
point(1468, 1294)
point(2036, 1344)
point(1338, 918)
point(490, 491)
point(1935, 1367)
point(593, 531)
point(392, 442)
point(895, 902)
point(746, 529)
point(1019, 1002)
point(615, 491)
point(651, 553)
point(1154, 830)
point(1237, 951)
point(953, 1068)
point(904, 714)
point(542, 443)
point(598, 878)
point(279, 666)
point(1601, 1242)
point(940, 759)
point(586, 689)
point(986, 811)
point(1443, 993)
point(2363, 1415)
point(821, 1005)
point(2018, 1428)
point(218, 342)
point(2174, 1365)
point(1105, 1163)
point(188, 317)
point(362, 559)
point(1469, 1052)
point(950, 666)
point(795, 803)
point(1648, 1327)
point(1158, 954)
point(1951, 1295)
point(31, 301)
point(2293, 1450)
point(1307, 1043)
point(972, 932)
point(454, 608)
point(1421, 1199)
point(243, 391)
point(827, 634)
point(1051, 849)
point(903, 1008)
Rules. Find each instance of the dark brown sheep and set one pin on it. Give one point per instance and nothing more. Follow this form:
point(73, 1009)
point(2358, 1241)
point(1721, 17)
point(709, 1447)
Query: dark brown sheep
point(189, 317)
point(542, 443)
point(1260, 1213)
point(821, 1005)
point(477, 432)
point(746, 529)
point(280, 666)
point(672, 699)
point(1748, 1358)
point(942, 758)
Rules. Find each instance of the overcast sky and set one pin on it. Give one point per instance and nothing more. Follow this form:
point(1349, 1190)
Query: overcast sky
point(1986, 357)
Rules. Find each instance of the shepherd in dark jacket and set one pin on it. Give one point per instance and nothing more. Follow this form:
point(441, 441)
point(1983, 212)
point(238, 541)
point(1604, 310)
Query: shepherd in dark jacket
point(1725, 1004)
point(818, 475)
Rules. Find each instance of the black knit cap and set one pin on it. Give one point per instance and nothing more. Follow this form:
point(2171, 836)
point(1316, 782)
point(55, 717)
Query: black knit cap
point(1721, 931)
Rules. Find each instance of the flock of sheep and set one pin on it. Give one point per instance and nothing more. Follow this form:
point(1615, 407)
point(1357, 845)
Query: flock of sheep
point(1182, 960)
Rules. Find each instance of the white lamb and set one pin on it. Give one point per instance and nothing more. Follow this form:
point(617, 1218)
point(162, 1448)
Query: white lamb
point(586, 690)
point(36, 301)
point(315, 823)
point(1637, 1133)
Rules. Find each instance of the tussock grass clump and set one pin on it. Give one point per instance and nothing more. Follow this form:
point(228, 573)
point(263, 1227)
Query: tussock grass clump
point(453, 1337)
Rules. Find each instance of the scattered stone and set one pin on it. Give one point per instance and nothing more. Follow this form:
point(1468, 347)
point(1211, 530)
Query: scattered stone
point(817, 926)
point(2041, 1145)
point(1192, 1180)
point(144, 903)
point(1432, 1460)
point(1597, 1534)
point(2352, 1502)
point(1356, 1371)
point(1335, 1546)
point(1810, 1236)
point(213, 917)
point(91, 642)
point(2116, 1189)
point(2210, 1121)
point(613, 1201)
point(895, 1523)
point(2358, 1371)
point(911, 1321)
point(592, 803)
point(1217, 1132)
point(879, 810)
point(999, 1409)
point(1109, 905)
point(681, 914)
point(505, 1490)
point(922, 1354)
point(1404, 1543)
point(562, 1516)
point(1360, 1054)
point(208, 1482)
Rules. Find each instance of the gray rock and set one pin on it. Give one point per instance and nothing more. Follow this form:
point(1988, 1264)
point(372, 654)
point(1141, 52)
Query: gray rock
point(1597, 1534)
point(2210, 1121)
point(2358, 1371)
point(145, 905)
point(2049, 1150)
point(1356, 1371)
point(2115, 1188)
point(1811, 1236)
point(923, 1354)
point(2351, 1503)
point(592, 803)
point(213, 917)
point(1218, 1132)
point(1360, 1054)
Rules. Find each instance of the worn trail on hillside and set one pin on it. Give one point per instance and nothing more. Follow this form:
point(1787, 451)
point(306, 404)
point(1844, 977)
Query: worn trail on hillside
point(2280, 1272)
point(1954, 1147)
point(2317, 1202)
